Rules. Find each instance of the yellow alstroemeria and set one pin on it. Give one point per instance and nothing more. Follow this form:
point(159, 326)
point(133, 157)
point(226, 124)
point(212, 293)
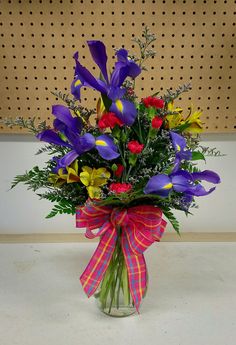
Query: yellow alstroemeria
point(58, 179)
point(62, 177)
point(194, 121)
point(72, 172)
point(174, 120)
point(93, 179)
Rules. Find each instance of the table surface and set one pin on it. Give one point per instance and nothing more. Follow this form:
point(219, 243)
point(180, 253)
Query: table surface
point(191, 298)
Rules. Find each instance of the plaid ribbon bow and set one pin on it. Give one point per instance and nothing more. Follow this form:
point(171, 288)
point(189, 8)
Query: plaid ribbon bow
point(141, 226)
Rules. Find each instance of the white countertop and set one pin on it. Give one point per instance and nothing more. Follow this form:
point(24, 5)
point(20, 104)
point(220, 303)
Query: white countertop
point(191, 298)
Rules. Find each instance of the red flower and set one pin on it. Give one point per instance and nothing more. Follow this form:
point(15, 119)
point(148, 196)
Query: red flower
point(120, 187)
point(153, 102)
point(119, 170)
point(157, 122)
point(135, 147)
point(109, 120)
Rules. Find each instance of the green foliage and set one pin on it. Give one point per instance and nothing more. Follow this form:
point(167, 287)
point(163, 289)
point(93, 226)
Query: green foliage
point(208, 151)
point(196, 155)
point(61, 208)
point(170, 216)
point(28, 124)
point(34, 179)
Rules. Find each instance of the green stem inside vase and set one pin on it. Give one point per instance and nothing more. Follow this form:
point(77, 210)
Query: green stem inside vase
point(114, 289)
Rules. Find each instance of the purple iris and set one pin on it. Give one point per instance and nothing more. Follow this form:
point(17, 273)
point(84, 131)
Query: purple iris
point(179, 144)
point(182, 182)
point(70, 127)
point(124, 68)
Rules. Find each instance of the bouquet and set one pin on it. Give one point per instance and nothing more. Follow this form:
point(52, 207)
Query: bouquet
point(121, 168)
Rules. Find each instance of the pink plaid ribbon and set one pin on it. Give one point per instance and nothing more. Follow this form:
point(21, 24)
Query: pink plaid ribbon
point(141, 226)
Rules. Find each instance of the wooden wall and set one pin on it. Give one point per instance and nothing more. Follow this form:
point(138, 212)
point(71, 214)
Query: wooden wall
point(196, 43)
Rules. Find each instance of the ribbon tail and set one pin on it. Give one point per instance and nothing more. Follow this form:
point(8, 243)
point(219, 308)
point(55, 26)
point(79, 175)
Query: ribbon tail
point(137, 273)
point(97, 266)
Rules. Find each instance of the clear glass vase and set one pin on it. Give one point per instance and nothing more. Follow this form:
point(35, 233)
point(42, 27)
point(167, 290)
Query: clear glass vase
point(113, 294)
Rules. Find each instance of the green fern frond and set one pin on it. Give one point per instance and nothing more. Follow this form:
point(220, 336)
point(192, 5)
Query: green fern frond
point(169, 215)
point(61, 208)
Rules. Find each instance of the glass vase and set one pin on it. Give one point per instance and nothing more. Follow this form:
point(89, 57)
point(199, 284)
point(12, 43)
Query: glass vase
point(113, 294)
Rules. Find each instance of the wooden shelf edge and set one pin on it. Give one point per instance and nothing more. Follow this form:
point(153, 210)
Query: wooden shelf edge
point(70, 238)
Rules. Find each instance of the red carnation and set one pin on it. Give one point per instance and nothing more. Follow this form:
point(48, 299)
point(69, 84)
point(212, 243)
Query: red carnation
point(109, 120)
point(153, 102)
point(120, 187)
point(135, 147)
point(157, 122)
point(119, 170)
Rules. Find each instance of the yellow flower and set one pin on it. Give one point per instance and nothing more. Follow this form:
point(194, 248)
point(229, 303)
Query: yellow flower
point(194, 121)
point(62, 177)
point(174, 120)
point(72, 172)
point(93, 179)
point(58, 179)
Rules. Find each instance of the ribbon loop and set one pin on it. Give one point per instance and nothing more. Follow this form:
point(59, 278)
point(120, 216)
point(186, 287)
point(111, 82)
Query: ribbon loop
point(141, 226)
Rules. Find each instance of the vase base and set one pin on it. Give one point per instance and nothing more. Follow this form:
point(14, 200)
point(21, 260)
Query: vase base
point(122, 311)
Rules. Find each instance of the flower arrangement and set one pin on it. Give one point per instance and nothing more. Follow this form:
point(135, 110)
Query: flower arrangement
point(120, 168)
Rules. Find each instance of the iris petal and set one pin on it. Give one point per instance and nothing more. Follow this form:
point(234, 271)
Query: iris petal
point(68, 159)
point(206, 175)
point(125, 110)
point(133, 69)
point(86, 77)
point(199, 190)
point(98, 52)
point(75, 87)
point(159, 184)
point(49, 136)
point(115, 93)
point(122, 55)
point(63, 114)
point(119, 75)
point(178, 141)
point(182, 173)
point(180, 183)
point(84, 143)
point(59, 125)
point(106, 147)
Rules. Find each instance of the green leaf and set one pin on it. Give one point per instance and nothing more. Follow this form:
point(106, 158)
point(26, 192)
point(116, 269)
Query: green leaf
point(132, 159)
point(107, 102)
point(60, 208)
point(116, 132)
point(155, 94)
point(196, 155)
point(169, 215)
point(151, 113)
point(181, 128)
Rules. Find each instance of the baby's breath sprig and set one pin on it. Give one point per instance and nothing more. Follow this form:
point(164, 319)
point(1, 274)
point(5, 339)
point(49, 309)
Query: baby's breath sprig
point(144, 47)
point(171, 95)
point(28, 124)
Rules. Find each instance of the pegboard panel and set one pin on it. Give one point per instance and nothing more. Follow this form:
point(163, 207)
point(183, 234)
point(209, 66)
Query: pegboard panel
point(196, 43)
